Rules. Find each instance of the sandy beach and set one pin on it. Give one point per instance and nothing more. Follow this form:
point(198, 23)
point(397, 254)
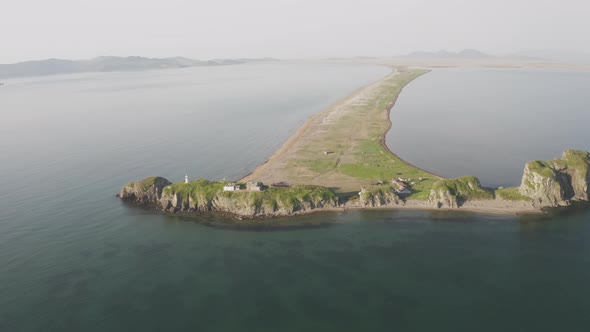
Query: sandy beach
point(345, 139)
point(335, 146)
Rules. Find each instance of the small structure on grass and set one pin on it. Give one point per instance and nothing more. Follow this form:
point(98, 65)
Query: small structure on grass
point(281, 184)
point(230, 187)
point(401, 187)
point(254, 186)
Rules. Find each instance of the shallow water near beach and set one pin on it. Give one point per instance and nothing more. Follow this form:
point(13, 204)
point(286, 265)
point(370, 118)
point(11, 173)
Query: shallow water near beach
point(74, 258)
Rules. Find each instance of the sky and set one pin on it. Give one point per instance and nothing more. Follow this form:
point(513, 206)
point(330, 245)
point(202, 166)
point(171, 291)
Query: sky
point(77, 29)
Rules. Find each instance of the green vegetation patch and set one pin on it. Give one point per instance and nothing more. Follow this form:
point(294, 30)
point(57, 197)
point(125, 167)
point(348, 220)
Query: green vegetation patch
point(421, 190)
point(466, 188)
point(577, 159)
point(320, 165)
point(348, 151)
point(200, 191)
point(542, 168)
point(378, 163)
point(367, 171)
point(511, 194)
point(203, 192)
point(370, 192)
point(372, 160)
point(144, 184)
point(293, 197)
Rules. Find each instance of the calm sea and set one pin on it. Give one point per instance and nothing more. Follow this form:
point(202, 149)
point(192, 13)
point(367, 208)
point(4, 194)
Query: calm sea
point(490, 122)
point(74, 258)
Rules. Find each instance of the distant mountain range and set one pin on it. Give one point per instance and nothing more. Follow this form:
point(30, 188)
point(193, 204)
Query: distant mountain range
point(467, 54)
point(109, 63)
point(573, 58)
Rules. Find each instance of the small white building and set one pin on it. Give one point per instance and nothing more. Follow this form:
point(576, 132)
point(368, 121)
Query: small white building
point(230, 187)
point(186, 178)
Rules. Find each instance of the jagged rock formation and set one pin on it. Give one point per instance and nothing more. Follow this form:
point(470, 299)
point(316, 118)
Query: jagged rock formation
point(544, 184)
point(207, 196)
point(452, 193)
point(442, 199)
point(557, 182)
point(552, 183)
point(378, 196)
point(144, 192)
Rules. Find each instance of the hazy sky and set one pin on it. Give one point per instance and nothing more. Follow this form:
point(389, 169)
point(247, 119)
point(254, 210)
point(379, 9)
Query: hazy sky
point(36, 29)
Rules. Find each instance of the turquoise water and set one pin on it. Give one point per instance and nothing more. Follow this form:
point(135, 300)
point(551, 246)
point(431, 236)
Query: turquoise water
point(74, 258)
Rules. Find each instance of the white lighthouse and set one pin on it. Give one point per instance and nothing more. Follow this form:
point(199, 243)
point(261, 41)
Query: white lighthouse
point(186, 178)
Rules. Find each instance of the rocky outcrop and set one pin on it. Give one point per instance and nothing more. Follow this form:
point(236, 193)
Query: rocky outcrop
point(442, 198)
point(378, 196)
point(544, 184)
point(206, 196)
point(145, 192)
point(557, 182)
point(239, 204)
point(452, 193)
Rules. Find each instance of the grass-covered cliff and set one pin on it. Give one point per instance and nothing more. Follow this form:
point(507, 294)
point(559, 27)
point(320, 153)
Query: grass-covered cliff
point(144, 192)
point(208, 196)
point(558, 181)
point(380, 195)
point(453, 192)
point(544, 184)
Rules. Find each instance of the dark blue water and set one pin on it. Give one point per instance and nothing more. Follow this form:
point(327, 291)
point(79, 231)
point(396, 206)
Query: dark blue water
point(74, 258)
point(490, 122)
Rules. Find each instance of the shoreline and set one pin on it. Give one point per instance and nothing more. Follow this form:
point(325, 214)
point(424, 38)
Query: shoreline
point(346, 138)
point(339, 161)
point(496, 206)
point(307, 124)
point(390, 124)
point(293, 138)
point(411, 205)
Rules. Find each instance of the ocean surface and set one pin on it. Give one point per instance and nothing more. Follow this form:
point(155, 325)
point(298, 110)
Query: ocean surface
point(490, 122)
point(74, 258)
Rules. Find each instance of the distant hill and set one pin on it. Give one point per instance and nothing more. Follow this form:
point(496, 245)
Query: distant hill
point(572, 58)
point(109, 63)
point(468, 54)
point(443, 54)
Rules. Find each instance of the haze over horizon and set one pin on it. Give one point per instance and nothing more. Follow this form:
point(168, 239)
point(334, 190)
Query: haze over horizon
point(80, 29)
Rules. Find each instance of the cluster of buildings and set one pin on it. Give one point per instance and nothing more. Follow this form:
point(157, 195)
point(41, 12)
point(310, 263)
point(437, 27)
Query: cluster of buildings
point(250, 186)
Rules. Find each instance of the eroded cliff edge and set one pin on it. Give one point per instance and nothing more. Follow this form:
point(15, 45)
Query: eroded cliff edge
point(208, 196)
point(557, 182)
point(545, 184)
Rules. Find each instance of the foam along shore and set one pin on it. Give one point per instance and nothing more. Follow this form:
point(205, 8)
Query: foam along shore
point(338, 160)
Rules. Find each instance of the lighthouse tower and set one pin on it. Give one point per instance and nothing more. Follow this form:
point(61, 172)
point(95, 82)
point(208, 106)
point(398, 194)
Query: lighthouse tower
point(186, 178)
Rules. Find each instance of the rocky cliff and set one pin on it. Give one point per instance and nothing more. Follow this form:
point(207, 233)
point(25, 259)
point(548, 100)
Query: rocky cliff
point(557, 182)
point(145, 192)
point(207, 196)
point(378, 196)
point(452, 193)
